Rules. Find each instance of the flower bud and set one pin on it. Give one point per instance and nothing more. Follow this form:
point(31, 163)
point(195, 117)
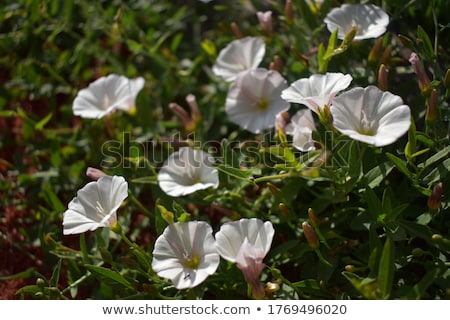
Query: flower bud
point(265, 20)
point(289, 11)
point(376, 52)
point(313, 217)
point(447, 80)
point(195, 112)
point(94, 173)
point(434, 200)
point(188, 123)
point(284, 210)
point(432, 108)
point(383, 78)
point(422, 77)
point(276, 64)
point(272, 287)
point(310, 235)
point(236, 31)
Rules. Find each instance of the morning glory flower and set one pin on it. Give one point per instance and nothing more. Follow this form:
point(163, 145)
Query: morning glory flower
point(317, 91)
point(106, 95)
point(239, 55)
point(370, 115)
point(301, 128)
point(370, 21)
point(95, 205)
point(187, 171)
point(186, 254)
point(254, 99)
point(246, 242)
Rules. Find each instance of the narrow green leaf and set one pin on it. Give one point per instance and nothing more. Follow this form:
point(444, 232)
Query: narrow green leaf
point(425, 43)
point(234, 172)
point(399, 164)
point(386, 269)
point(418, 291)
point(376, 175)
point(55, 275)
point(144, 180)
point(30, 272)
point(108, 274)
point(437, 157)
point(41, 124)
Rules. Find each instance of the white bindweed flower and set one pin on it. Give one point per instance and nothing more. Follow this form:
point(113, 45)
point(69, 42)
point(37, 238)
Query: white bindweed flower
point(301, 128)
point(246, 242)
point(370, 115)
point(239, 55)
point(254, 99)
point(106, 95)
point(317, 91)
point(95, 205)
point(187, 171)
point(186, 254)
point(370, 21)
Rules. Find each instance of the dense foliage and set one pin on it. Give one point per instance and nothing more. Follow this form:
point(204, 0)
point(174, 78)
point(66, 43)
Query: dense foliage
point(382, 225)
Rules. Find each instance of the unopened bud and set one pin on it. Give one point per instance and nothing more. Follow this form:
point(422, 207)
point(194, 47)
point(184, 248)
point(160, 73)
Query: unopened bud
point(273, 189)
point(350, 268)
point(276, 64)
point(436, 237)
point(434, 200)
point(195, 112)
point(94, 173)
point(432, 108)
point(349, 36)
point(265, 20)
point(284, 210)
point(289, 11)
point(310, 235)
point(422, 77)
point(383, 78)
point(272, 287)
point(375, 53)
point(417, 252)
point(236, 31)
point(188, 123)
point(282, 119)
point(447, 80)
point(167, 215)
point(387, 55)
point(313, 218)
point(40, 283)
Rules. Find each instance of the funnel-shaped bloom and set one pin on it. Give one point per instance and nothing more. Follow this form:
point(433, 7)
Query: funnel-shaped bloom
point(254, 99)
point(186, 254)
point(239, 55)
point(95, 205)
point(246, 242)
point(187, 171)
point(301, 128)
point(316, 91)
point(106, 95)
point(370, 115)
point(370, 21)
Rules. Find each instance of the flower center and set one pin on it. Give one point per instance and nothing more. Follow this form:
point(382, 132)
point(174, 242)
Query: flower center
point(191, 262)
point(262, 104)
point(367, 128)
point(99, 207)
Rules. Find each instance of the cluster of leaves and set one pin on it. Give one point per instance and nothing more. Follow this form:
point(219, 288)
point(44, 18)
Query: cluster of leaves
point(378, 237)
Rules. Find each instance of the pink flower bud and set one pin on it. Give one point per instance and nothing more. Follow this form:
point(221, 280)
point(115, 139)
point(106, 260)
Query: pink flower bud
point(94, 173)
point(265, 20)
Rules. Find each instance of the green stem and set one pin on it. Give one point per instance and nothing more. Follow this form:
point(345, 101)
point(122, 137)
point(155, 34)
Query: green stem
point(83, 248)
point(273, 177)
point(322, 259)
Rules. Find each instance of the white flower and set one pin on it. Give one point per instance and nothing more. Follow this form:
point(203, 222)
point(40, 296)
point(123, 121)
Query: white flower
point(95, 205)
point(371, 21)
point(187, 171)
point(301, 128)
point(186, 254)
point(239, 55)
point(316, 91)
point(370, 115)
point(106, 95)
point(253, 100)
point(246, 242)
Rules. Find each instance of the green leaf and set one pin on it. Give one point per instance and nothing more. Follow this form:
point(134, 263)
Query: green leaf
point(108, 274)
point(236, 173)
point(148, 179)
point(418, 291)
point(399, 164)
point(376, 175)
point(386, 269)
point(41, 124)
point(30, 272)
point(425, 44)
point(368, 287)
point(55, 275)
point(436, 157)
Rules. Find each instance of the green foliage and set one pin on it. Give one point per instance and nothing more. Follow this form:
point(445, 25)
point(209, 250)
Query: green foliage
point(378, 238)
